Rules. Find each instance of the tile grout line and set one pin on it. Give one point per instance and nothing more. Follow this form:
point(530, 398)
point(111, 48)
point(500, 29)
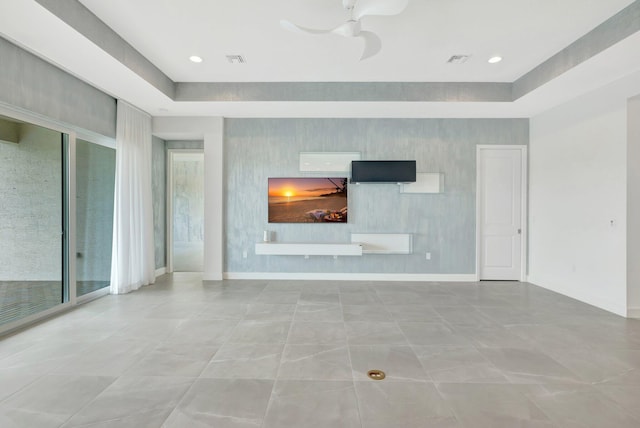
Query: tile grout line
point(348, 345)
point(275, 381)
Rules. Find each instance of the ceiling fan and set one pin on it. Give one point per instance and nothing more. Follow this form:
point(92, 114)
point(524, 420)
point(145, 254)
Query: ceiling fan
point(357, 9)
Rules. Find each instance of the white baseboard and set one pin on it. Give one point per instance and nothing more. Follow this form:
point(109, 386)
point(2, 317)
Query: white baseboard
point(161, 271)
point(633, 313)
point(353, 276)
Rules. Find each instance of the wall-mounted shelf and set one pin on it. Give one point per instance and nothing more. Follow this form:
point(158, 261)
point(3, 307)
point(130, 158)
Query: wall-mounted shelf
point(307, 249)
point(426, 182)
point(361, 243)
point(384, 243)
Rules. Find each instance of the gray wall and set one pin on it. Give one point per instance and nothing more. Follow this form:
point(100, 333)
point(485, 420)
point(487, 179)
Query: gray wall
point(186, 145)
point(30, 83)
point(187, 176)
point(188, 199)
point(159, 184)
point(31, 206)
point(443, 224)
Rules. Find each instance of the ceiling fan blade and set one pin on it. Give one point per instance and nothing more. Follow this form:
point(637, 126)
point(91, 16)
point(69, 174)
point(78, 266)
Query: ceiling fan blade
point(378, 7)
point(348, 29)
point(290, 26)
point(372, 44)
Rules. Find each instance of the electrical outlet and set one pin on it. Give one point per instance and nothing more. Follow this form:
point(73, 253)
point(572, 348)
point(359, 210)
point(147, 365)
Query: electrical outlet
point(244, 254)
point(428, 256)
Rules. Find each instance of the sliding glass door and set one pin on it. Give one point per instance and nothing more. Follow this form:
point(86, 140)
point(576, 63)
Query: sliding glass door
point(48, 258)
point(95, 178)
point(33, 272)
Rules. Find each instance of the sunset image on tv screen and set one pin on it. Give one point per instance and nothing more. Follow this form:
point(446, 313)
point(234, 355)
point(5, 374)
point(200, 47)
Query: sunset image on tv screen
point(308, 200)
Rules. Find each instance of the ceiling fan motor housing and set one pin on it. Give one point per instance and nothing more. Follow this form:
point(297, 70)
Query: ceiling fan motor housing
point(352, 28)
point(349, 4)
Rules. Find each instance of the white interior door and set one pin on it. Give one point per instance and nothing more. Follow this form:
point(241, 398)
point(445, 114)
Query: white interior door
point(500, 184)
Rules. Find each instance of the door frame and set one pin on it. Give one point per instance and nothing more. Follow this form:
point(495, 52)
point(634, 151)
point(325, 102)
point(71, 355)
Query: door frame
point(523, 211)
point(171, 154)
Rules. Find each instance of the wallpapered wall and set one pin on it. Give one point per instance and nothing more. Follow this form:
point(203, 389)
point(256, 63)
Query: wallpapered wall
point(28, 82)
point(442, 224)
point(159, 190)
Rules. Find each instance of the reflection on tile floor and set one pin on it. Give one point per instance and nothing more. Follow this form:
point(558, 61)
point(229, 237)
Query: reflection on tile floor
point(183, 353)
point(20, 299)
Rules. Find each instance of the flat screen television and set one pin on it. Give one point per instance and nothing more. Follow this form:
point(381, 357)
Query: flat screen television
point(383, 171)
point(308, 200)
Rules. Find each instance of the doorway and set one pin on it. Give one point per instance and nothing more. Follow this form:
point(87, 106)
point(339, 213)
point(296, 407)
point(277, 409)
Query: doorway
point(501, 212)
point(185, 210)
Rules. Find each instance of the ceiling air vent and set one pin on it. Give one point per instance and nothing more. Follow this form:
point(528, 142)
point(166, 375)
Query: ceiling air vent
point(236, 59)
point(458, 59)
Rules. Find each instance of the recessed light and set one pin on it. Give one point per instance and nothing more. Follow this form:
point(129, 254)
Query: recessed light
point(495, 59)
point(195, 58)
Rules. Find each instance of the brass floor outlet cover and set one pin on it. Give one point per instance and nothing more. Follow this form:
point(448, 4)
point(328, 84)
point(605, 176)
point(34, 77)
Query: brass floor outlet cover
point(376, 374)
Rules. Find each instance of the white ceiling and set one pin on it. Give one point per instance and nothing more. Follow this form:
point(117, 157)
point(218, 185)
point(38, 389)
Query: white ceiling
point(416, 45)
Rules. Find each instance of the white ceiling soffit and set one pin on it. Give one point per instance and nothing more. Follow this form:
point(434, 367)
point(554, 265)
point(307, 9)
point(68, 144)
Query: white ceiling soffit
point(30, 26)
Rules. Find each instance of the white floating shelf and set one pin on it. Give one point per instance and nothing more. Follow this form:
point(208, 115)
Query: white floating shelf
point(327, 161)
point(307, 249)
point(426, 182)
point(384, 243)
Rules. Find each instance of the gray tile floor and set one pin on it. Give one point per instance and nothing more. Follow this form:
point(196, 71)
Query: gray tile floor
point(295, 354)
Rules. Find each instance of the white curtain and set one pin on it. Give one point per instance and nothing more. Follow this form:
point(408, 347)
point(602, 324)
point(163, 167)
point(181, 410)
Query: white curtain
point(132, 260)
